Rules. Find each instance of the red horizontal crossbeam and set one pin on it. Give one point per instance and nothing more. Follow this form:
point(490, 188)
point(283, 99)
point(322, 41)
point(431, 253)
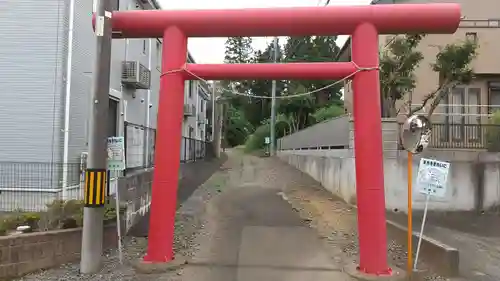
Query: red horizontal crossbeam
point(271, 71)
point(298, 21)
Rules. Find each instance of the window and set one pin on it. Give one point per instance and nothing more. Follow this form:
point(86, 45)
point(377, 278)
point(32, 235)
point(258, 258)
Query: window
point(113, 118)
point(158, 55)
point(190, 85)
point(463, 117)
point(191, 132)
point(471, 36)
point(144, 46)
point(494, 100)
point(201, 106)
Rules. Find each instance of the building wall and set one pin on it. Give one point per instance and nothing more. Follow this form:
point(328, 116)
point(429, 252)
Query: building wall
point(475, 21)
point(136, 106)
point(32, 50)
point(194, 128)
point(201, 110)
point(193, 96)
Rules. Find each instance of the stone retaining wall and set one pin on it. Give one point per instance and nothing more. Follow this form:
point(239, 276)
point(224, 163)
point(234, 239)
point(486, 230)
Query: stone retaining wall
point(25, 253)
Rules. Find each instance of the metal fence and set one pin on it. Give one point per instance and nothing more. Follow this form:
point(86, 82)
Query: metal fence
point(193, 150)
point(465, 136)
point(337, 133)
point(30, 186)
point(139, 146)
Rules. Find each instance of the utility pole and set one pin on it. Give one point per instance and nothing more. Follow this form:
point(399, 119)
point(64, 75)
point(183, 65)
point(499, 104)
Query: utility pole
point(95, 176)
point(216, 120)
point(273, 102)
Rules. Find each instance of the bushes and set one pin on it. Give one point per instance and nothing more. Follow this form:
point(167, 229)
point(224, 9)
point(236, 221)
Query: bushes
point(18, 218)
point(256, 140)
point(327, 113)
point(60, 214)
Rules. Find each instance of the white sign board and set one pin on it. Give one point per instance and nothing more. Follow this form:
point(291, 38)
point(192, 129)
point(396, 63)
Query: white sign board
point(267, 140)
point(116, 153)
point(432, 177)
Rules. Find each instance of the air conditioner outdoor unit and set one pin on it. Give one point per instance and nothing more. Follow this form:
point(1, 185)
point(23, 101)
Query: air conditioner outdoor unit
point(135, 75)
point(188, 110)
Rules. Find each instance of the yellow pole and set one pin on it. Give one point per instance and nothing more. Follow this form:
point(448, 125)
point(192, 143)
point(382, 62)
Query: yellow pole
point(410, 223)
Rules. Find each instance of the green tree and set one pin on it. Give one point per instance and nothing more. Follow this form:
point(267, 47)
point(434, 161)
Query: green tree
point(297, 109)
point(398, 61)
point(314, 49)
point(257, 139)
point(324, 49)
point(308, 49)
point(328, 112)
point(453, 65)
point(237, 127)
point(238, 50)
point(259, 109)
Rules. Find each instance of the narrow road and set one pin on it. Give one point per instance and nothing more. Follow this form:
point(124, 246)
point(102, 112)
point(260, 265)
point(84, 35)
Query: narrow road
point(253, 234)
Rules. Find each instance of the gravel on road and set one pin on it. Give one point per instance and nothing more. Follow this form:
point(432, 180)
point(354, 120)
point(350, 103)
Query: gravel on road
point(334, 220)
point(189, 222)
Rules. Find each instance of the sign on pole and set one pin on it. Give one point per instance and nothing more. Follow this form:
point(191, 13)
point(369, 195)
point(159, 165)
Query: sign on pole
point(432, 177)
point(267, 140)
point(116, 154)
point(431, 180)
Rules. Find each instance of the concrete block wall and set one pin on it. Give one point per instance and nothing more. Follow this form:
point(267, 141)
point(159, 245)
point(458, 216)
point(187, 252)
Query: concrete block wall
point(335, 170)
point(25, 253)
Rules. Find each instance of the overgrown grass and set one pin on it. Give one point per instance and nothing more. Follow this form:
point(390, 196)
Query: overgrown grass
point(256, 141)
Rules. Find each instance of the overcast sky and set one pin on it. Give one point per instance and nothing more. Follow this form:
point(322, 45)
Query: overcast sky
point(211, 50)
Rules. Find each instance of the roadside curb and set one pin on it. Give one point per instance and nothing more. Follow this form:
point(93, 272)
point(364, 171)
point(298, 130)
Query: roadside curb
point(442, 258)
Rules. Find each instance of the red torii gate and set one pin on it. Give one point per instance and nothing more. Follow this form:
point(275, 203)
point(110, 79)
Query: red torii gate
point(365, 23)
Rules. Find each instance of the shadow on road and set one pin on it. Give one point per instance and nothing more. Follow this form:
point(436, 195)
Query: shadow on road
point(192, 176)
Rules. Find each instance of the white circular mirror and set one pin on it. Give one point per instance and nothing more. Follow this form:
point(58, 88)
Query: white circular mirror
point(416, 133)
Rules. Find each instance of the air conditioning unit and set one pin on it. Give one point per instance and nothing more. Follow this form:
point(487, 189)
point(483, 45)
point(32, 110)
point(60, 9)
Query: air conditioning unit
point(188, 110)
point(135, 75)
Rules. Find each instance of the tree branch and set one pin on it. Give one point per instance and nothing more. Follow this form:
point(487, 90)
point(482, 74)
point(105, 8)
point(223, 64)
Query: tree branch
point(424, 102)
point(446, 90)
point(407, 103)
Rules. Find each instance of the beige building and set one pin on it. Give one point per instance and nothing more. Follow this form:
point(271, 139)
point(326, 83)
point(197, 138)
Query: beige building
point(468, 105)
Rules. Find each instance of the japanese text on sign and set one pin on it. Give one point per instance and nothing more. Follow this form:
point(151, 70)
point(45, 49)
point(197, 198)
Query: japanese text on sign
point(116, 153)
point(432, 177)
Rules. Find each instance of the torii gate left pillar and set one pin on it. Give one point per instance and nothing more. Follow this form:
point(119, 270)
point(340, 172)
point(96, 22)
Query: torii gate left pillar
point(365, 23)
